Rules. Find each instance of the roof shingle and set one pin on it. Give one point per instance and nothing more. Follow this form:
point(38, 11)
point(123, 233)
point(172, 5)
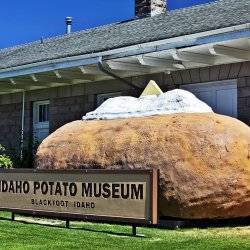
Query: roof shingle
point(219, 14)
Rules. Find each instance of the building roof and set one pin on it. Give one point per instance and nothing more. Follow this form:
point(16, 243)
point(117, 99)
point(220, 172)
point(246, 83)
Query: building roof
point(206, 17)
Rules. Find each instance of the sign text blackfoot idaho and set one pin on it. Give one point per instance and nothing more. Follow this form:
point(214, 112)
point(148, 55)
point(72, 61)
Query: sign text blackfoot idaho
point(111, 195)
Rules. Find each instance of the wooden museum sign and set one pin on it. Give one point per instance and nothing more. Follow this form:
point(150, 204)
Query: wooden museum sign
point(107, 195)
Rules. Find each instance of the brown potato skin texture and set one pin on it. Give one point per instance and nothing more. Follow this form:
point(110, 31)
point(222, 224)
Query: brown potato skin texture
point(204, 159)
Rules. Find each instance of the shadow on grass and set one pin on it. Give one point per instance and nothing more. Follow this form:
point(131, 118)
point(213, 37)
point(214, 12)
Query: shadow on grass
point(4, 218)
point(109, 232)
point(63, 226)
point(22, 221)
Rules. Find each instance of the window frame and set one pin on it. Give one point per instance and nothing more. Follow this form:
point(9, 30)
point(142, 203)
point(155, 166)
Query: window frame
point(36, 114)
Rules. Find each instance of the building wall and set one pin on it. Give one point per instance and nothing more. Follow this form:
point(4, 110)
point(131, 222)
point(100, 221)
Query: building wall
point(239, 71)
point(67, 104)
point(10, 125)
point(70, 103)
point(244, 99)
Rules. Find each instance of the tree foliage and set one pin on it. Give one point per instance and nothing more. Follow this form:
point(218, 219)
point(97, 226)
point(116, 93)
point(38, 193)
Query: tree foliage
point(5, 160)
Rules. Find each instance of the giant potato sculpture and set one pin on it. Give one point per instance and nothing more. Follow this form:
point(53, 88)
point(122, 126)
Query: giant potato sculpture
point(203, 158)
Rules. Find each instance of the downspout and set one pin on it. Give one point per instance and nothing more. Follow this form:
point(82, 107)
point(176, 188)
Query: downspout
point(109, 73)
point(22, 128)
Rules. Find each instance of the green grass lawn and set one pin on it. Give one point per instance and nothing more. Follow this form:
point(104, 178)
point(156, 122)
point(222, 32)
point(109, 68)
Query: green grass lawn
point(34, 235)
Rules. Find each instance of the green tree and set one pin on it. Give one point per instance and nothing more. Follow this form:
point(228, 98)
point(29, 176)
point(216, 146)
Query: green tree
point(5, 160)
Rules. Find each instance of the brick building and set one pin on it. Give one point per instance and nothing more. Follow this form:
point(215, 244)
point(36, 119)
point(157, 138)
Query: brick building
point(204, 49)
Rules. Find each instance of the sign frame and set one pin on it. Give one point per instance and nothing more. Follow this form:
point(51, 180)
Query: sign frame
point(153, 203)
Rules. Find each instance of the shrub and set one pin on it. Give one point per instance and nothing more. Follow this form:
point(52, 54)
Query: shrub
point(5, 161)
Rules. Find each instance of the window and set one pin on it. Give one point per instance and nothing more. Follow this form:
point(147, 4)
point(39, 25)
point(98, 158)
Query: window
point(40, 120)
point(41, 112)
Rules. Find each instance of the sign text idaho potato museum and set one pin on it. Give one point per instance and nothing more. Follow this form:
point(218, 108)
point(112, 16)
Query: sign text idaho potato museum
point(116, 195)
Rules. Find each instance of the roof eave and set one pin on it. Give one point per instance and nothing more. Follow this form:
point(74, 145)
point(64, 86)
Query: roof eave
point(218, 35)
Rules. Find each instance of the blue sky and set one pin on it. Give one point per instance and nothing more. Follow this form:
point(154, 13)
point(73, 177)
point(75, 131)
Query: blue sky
point(28, 20)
